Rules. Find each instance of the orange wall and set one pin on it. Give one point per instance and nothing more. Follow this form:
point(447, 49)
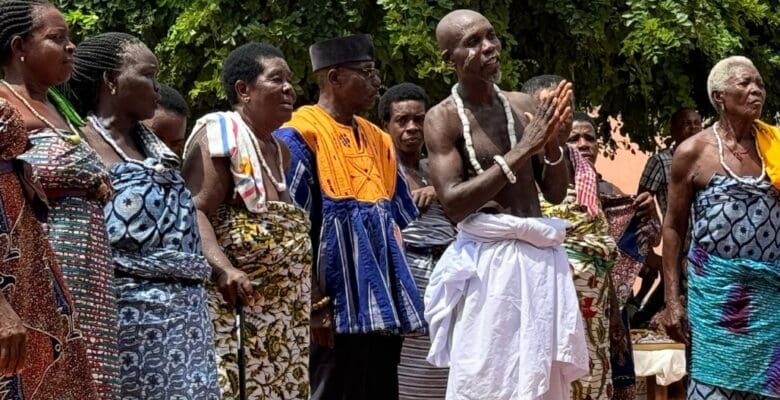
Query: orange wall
point(626, 168)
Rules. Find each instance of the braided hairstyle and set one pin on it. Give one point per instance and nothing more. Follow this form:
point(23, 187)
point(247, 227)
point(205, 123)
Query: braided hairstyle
point(93, 57)
point(17, 18)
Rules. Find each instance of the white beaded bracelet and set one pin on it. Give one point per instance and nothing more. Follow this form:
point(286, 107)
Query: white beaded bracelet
point(505, 167)
point(556, 162)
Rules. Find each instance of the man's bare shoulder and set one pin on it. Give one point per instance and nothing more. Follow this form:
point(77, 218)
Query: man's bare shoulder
point(442, 119)
point(446, 106)
point(521, 101)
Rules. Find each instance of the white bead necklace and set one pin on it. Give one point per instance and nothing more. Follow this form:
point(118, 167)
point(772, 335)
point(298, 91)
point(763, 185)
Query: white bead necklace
point(745, 180)
point(510, 125)
point(280, 186)
point(73, 138)
point(106, 135)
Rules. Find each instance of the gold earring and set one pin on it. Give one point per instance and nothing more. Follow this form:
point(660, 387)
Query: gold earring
point(113, 91)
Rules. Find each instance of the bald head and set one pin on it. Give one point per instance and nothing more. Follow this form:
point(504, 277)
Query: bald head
point(452, 27)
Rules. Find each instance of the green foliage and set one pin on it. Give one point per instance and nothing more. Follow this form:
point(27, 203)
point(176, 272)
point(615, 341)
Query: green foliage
point(637, 59)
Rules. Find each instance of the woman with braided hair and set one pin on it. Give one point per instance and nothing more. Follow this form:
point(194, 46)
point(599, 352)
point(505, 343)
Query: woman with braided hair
point(165, 334)
point(36, 54)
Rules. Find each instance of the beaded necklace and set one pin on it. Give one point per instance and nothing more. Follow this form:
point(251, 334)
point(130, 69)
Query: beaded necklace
point(510, 125)
point(748, 180)
point(106, 135)
point(73, 138)
point(280, 186)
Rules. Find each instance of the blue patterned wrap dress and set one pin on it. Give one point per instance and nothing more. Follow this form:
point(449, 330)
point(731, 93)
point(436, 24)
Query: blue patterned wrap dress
point(734, 291)
point(165, 333)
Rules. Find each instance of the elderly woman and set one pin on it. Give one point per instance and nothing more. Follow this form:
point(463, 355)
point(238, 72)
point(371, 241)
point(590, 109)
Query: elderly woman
point(165, 333)
point(720, 174)
point(36, 54)
point(255, 239)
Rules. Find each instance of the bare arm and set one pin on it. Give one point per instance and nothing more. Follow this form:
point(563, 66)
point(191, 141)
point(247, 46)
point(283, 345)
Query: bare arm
point(461, 198)
point(555, 178)
point(458, 198)
point(675, 229)
point(209, 180)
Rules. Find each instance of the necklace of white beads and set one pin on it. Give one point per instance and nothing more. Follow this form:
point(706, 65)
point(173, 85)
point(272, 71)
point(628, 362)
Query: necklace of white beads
point(510, 131)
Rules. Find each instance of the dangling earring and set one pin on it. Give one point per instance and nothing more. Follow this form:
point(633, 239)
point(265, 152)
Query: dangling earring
point(21, 58)
point(113, 91)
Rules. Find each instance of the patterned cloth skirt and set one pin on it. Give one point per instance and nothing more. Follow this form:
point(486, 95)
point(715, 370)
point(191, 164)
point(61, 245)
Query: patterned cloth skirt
point(702, 391)
point(32, 283)
point(78, 237)
point(274, 249)
point(593, 293)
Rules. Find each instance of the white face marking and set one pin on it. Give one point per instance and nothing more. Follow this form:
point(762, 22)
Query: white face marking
point(470, 56)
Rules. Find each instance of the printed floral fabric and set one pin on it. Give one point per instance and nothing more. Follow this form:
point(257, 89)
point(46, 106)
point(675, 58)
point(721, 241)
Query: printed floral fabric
point(274, 249)
point(591, 254)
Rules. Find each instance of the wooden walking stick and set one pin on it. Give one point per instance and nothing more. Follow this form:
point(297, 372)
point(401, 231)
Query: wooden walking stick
point(241, 352)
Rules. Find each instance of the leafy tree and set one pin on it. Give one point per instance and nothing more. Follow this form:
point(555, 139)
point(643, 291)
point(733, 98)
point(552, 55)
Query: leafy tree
point(637, 59)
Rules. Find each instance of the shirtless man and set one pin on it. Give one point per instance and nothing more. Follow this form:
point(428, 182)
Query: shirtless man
point(501, 304)
point(468, 41)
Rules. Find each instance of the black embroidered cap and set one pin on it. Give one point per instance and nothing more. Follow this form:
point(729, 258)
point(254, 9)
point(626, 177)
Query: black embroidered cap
point(343, 50)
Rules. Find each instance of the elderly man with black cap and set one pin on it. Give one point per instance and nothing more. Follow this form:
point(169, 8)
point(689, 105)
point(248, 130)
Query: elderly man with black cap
point(344, 172)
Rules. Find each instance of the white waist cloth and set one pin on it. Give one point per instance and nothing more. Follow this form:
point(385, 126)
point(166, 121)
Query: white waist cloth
point(503, 312)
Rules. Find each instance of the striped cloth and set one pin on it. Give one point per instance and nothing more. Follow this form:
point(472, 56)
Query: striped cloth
point(586, 182)
point(702, 391)
point(229, 136)
point(423, 239)
point(31, 282)
point(77, 185)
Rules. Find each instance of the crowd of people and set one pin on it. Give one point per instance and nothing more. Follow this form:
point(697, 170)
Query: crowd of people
point(500, 266)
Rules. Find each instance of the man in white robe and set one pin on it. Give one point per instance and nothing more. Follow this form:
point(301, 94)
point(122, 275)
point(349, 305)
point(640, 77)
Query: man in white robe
point(501, 304)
